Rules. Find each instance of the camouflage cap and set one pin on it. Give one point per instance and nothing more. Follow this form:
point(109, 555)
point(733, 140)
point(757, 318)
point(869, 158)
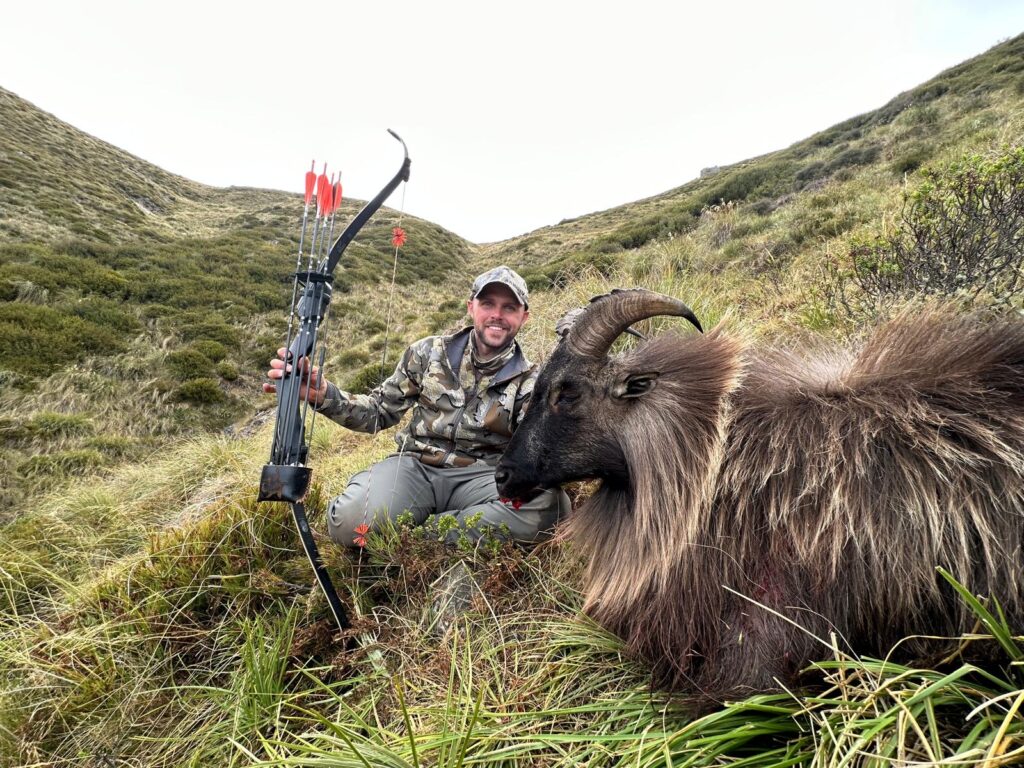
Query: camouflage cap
point(507, 277)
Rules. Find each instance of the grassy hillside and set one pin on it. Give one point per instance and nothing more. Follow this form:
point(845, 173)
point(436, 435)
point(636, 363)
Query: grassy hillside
point(151, 613)
point(797, 202)
point(139, 306)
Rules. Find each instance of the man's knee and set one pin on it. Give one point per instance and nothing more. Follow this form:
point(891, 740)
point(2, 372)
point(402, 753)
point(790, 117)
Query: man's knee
point(344, 514)
point(374, 498)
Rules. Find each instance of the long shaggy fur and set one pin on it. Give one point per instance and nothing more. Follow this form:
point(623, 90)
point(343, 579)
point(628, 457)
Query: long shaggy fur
point(776, 496)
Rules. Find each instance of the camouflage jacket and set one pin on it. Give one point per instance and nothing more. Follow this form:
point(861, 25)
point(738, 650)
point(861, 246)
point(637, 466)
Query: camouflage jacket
point(451, 425)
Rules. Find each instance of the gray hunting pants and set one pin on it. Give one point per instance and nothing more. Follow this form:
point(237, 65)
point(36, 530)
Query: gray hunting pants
point(403, 482)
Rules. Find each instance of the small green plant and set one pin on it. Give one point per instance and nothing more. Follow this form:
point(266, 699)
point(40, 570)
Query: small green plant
point(48, 425)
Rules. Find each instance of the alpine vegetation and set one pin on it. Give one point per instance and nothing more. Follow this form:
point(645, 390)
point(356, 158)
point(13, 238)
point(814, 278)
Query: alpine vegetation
point(761, 508)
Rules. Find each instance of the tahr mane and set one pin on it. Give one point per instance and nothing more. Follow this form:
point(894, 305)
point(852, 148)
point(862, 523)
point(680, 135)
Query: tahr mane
point(825, 485)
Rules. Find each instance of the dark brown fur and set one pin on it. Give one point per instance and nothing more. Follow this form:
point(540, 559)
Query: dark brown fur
point(775, 497)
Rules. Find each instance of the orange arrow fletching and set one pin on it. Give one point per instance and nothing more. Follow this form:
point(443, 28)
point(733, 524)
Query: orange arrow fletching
point(398, 237)
point(321, 185)
point(337, 195)
point(310, 182)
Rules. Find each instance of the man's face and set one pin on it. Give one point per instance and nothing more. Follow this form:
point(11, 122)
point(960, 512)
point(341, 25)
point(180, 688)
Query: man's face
point(497, 317)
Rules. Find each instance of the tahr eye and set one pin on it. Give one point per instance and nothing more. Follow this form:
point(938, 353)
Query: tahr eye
point(567, 393)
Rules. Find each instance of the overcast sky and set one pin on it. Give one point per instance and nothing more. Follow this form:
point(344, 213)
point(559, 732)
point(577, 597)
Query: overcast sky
point(516, 114)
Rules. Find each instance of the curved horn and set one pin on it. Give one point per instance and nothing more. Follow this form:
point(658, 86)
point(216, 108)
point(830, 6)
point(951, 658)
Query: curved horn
point(608, 316)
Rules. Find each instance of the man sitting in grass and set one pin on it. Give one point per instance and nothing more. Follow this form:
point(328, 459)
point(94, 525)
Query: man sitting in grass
point(468, 393)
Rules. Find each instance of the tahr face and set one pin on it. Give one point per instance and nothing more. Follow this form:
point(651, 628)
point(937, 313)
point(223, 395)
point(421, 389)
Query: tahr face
point(569, 431)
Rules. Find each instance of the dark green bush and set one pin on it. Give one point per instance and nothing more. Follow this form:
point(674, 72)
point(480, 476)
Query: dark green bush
point(36, 340)
point(448, 314)
point(262, 350)
point(153, 311)
point(24, 252)
point(911, 158)
point(351, 357)
point(108, 313)
point(203, 391)
point(83, 249)
point(367, 378)
point(8, 290)
point(860, 155)
point(227, 370)
point(189, 363)
point(761, 179)
point(811, 172)
point(211, 349)
point(213, 330)
point(557, 272)
point(372, 325)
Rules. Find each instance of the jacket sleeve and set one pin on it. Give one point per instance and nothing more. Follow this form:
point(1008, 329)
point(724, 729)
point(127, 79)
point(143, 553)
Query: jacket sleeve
point(385, 405)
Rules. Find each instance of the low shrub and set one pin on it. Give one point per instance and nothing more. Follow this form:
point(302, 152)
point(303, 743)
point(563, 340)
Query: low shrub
point(912, 157)
point(54, 426)
point(351, 357)
point(960, 237)
point(213, 350)
point(201, 391)
point(227, 370)
point(37, 340)
point(113, 446)
point(108, 313)
point(367, 378)
point(189, 363)
point(212, 330)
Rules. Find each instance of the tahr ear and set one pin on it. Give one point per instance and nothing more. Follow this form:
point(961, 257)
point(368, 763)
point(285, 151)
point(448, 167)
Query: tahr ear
point(634, 385)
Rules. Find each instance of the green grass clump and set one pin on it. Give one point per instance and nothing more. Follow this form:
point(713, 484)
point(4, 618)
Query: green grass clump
point(61, 464)
point(189, 363)
point(201, 391)
point(36, 340)
point(367, 378)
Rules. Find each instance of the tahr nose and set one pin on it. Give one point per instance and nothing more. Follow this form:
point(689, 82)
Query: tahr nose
point(501, 476)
